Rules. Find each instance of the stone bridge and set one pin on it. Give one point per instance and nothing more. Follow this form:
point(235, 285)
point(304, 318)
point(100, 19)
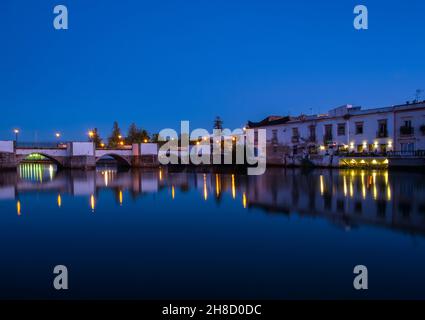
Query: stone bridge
point(80, 155)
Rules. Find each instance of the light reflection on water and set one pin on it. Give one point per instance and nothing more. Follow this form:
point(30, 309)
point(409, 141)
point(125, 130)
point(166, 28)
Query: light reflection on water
point(358, 195)
point(280, 231)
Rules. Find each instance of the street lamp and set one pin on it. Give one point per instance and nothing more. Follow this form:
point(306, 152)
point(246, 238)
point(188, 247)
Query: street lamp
point(58, 135)
point(91, 135)
point(16, 131)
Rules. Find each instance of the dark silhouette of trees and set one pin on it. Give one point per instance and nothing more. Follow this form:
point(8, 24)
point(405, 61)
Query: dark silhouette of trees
point(115, 140)
point(218, 123)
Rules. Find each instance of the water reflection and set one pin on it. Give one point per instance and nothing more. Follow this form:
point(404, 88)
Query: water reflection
point(346, 197)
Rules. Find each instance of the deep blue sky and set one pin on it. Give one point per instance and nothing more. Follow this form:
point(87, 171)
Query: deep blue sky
point(159, 62)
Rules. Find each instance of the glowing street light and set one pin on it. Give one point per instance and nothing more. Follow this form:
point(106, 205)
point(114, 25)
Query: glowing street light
point(57, 135)
point(91, 134)
point(16, 131)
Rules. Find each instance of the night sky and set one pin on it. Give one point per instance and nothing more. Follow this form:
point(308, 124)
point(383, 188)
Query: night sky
point(158, 62)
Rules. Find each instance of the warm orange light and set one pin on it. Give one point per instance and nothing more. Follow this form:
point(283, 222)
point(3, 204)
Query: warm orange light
point(92, 203)
point(91, 134)
point(205, 188)
point(244, 200)
point(122, 143)
point(173, 193)
point(59, 201)
point(18, 208)
point(120, 198)
point(145, 141)
point(233, 187)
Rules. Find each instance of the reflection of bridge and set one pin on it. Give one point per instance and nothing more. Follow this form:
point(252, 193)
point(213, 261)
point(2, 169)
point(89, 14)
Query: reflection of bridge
point(80, 155)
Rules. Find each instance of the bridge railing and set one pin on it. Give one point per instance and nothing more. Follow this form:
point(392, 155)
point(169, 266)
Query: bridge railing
point(41, 145)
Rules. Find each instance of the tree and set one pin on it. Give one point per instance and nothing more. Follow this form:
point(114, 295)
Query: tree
point(136, 135)
point(95, 138)
point(218, 123)
point(115, 139)
point(155, 137)
point(132, 135)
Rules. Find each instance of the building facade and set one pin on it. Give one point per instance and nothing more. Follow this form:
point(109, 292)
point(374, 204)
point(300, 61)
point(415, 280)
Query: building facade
point(345, 130)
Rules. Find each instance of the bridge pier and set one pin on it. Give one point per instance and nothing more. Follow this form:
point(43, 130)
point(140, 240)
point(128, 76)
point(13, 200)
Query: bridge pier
point(7, 155)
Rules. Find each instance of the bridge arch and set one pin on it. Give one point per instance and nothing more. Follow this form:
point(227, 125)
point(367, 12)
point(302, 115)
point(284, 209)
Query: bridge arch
point(122, 161)
point(58, 162)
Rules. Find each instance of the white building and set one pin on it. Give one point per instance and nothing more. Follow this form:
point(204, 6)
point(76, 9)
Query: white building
point(345, 129)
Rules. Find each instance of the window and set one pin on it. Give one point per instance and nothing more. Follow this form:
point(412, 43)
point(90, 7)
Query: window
point(295, 135)
point(341, 129)
point(408, 123)
point(407, 147)
point(312, 130)
point(382, 129)
point(274, 136)
point(328, 134)
point(359, 127)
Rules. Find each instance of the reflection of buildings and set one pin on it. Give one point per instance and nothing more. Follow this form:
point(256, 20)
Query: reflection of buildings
point(347, 197)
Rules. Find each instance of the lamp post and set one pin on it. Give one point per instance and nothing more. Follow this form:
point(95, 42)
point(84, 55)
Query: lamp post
point(16, 131)
point(58, 135)
point(91, 135)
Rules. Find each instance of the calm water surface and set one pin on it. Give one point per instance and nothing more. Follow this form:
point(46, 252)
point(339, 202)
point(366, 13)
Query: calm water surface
point(162, 235)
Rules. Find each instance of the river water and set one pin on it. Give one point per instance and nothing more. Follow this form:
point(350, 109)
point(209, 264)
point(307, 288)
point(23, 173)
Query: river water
point(154, 234)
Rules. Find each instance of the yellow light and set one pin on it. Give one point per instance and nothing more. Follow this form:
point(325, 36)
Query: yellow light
point(120, 137)
point(205, 138)
point(374, 161)
point(345, 185)
point(244, 200)
point(92, 203)
point(160, 174)
point(322, 148)
point(353, 161)
point(233, 187)
point(388, 192)
point(205, 188)
point(120, 197)
point(59, 201)
point(352, 145)
point(390, 144)
point(18, 207)
point(234, 138)
point(197, 143)
point(122, 143)
point(322, 185)
point(102, 145)
point(386, 161)
point(91, 134)
point(145, 141)
point(362, 161)
point(217, 184)
point(172, 192)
